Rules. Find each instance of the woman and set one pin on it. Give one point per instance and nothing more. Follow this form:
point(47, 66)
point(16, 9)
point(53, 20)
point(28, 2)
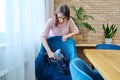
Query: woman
point(59, 25)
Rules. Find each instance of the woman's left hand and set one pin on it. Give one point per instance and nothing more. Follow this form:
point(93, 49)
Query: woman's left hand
point(64, 37)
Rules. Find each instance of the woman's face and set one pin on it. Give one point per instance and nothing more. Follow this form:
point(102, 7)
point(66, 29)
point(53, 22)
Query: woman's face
point(61, 18)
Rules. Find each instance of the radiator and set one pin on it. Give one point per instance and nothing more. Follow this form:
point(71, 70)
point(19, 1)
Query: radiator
point(3, 74)
point(3, 71)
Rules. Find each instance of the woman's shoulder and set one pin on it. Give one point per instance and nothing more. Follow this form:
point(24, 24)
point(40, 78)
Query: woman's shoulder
point(70, 20)
point(51, 20)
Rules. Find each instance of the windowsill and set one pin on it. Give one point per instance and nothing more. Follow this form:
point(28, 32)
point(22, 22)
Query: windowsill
point(85, 45)
point(2, 44)
point(89, 45)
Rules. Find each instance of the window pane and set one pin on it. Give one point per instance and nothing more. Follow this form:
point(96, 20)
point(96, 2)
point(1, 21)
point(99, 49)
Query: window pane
point(2, 15)
point(16, 15)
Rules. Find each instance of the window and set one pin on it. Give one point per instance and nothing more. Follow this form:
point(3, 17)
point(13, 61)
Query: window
point(2, 20)
point(2, 15)
point(4, 27)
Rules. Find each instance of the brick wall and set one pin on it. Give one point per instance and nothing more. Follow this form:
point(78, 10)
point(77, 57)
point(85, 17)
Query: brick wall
point(103, 11)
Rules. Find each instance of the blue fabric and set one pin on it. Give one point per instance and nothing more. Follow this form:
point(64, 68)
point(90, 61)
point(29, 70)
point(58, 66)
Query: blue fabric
point(44, 71)
point(108, 46)
point(81, 71)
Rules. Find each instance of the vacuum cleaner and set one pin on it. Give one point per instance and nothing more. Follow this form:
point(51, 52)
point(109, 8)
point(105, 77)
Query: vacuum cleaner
point(61, 61)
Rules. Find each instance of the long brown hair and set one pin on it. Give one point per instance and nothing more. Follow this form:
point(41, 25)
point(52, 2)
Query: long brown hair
point(64, 10)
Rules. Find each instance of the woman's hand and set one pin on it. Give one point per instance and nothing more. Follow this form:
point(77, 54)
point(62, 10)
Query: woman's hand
point(51, 55)
point(64, 37)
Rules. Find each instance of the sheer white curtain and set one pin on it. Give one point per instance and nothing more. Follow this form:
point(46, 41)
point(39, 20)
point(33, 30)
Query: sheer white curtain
point(49, 8)
point(21, 22)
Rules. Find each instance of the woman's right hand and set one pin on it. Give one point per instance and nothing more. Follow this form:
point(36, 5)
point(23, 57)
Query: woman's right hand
point(51, 55)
